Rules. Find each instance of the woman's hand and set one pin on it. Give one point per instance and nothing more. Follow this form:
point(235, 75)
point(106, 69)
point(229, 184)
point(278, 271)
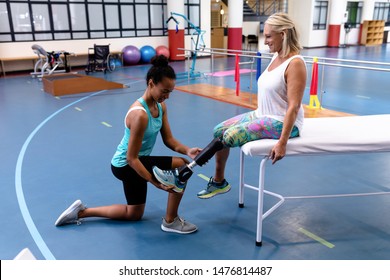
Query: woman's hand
point(193, 152)
point(163, 187)
point(277, 152)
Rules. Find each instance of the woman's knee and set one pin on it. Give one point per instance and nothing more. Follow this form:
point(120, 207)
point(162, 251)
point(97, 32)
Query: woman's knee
point(234, 137)
point(178, 161)
point(228, 140)
point(218, 132)
point(135, 212)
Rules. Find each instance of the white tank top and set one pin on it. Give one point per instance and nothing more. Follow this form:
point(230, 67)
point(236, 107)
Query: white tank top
point(272, 93)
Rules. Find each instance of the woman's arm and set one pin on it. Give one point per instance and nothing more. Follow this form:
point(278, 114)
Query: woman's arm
point(295, 77)
point(137, 121)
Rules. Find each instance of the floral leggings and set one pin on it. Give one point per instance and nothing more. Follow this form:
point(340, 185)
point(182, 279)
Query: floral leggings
point(246, 127)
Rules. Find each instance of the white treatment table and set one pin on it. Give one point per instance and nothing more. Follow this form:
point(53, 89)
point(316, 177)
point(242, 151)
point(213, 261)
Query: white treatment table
point(320, 136)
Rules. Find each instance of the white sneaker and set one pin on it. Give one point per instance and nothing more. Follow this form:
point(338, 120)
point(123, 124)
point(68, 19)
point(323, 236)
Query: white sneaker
point(179, 225)
point(71, 215)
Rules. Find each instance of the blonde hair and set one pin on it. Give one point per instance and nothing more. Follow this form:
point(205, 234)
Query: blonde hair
point(281, 22)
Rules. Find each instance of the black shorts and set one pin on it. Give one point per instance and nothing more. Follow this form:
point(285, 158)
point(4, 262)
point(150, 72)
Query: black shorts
point(134, 186)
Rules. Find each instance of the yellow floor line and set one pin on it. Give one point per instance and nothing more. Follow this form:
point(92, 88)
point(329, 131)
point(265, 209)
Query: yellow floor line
point(106, 124)
point(204, 177)
point(316, 238)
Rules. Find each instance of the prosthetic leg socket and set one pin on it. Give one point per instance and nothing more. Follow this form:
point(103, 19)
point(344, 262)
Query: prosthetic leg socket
point(185, 171)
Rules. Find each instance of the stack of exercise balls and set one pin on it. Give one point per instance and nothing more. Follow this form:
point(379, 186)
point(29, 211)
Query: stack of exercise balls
point(132, 55)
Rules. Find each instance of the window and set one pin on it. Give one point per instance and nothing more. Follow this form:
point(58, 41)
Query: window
point(20, 13)
point(382, 12)
point(60, 17)
point(5, 28)
point(31, 20)
point(192, 12)
point(320, 15)
point(354, 10)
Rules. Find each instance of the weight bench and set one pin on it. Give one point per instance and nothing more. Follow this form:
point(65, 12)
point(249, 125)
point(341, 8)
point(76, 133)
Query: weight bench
point(320, 136)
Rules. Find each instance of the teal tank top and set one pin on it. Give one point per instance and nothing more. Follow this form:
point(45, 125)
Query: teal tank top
point(150, 135)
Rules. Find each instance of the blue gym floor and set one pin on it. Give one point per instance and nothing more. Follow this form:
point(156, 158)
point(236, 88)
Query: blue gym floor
point(56, 150)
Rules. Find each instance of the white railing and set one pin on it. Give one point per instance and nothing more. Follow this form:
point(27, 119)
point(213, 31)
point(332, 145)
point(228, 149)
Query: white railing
point(323, 61)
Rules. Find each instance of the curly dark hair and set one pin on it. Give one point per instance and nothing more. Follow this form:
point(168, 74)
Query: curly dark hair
point(160, 70)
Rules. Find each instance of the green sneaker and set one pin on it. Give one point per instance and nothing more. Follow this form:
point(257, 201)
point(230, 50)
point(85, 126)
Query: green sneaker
point(214, 188)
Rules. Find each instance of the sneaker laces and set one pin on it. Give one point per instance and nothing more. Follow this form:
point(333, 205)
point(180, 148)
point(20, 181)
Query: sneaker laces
point(168, 172)
point(210, 182)
point(175, 174)
point(182, 221)
point(214, 185)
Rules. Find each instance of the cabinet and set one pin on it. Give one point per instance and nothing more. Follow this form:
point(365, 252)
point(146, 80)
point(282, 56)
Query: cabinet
point(217, 37)
point(372, 32)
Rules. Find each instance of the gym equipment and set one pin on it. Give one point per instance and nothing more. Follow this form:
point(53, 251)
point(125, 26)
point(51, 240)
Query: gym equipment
point(198, 44)
point(131, 55)
point(70, 83)
point(185, 171)
point(49, 62)
point(147, 52)
point(100, 59)
point(163, 50)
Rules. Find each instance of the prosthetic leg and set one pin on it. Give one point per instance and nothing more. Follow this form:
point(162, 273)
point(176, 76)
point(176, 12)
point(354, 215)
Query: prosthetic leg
point(185, 171)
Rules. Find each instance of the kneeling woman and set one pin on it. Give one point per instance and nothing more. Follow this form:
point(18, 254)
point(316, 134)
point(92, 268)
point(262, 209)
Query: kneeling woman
point(132, 162)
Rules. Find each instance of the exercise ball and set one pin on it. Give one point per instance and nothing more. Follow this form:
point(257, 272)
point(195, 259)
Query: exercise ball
point(147, 52)
point(162, 50)
point(131, 55)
